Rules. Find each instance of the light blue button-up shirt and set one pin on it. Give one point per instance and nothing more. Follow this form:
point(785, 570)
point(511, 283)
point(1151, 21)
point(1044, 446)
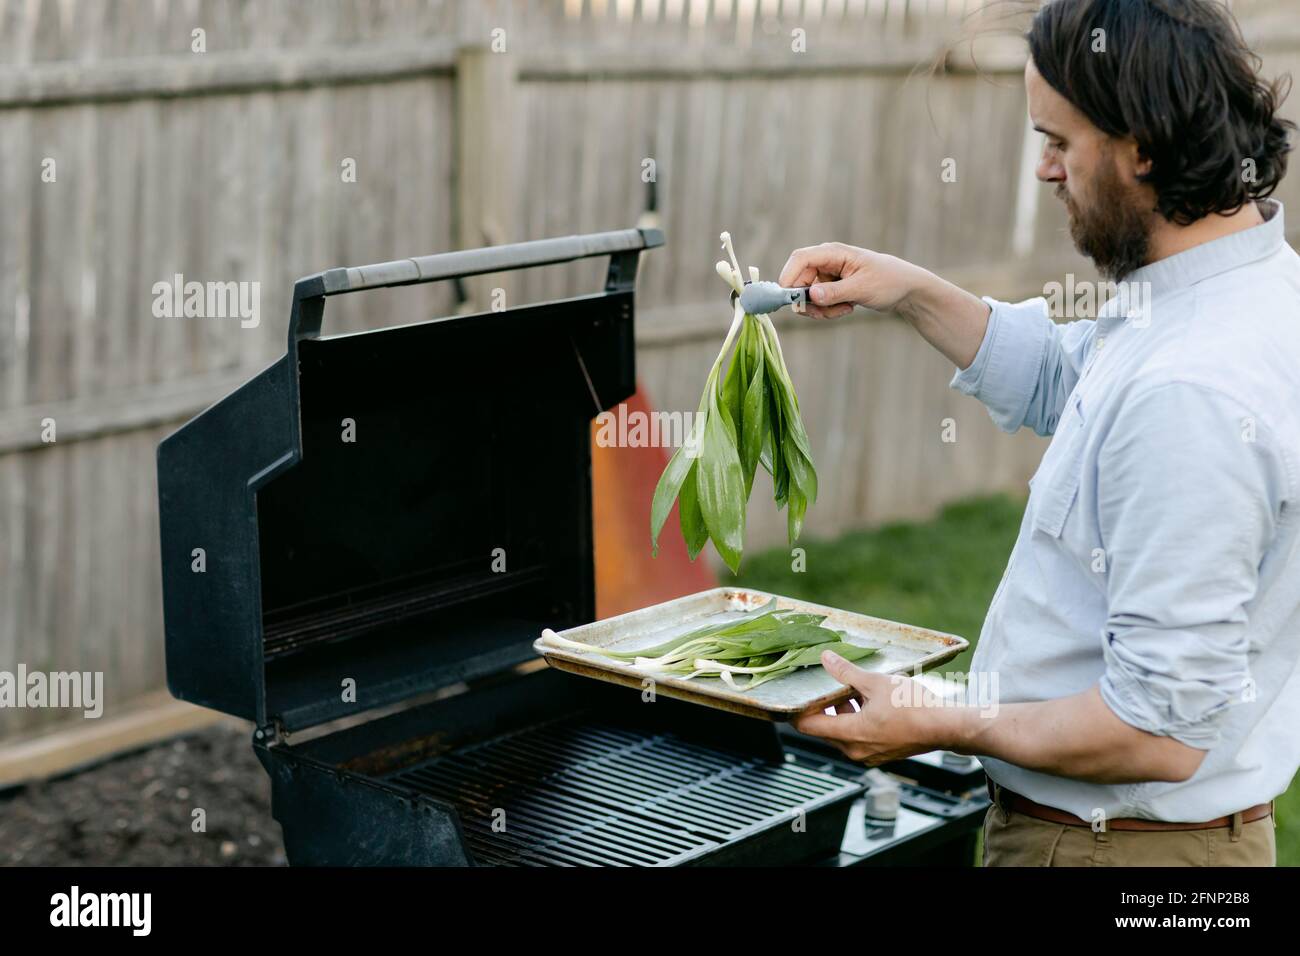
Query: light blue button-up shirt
point(1159, 555)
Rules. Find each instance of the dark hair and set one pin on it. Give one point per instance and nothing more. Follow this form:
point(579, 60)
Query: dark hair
point(1177, 76)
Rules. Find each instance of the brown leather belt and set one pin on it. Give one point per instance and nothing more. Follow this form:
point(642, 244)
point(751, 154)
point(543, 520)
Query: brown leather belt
point(1015, 803)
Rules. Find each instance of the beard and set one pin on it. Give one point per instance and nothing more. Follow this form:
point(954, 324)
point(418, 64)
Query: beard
point(1110, 228)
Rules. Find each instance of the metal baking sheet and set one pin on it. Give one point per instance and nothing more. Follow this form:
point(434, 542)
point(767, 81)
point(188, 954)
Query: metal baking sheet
point(902, 649)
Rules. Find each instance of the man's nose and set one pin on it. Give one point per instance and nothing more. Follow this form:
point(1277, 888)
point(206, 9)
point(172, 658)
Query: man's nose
point(1049, 169)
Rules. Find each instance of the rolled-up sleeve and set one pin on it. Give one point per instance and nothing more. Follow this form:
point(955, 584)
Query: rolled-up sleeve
point(1189, 491)
point(1026, 365)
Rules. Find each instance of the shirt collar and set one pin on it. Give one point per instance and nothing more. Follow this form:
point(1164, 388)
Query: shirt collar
point(1201, 262)
point(1218, 255)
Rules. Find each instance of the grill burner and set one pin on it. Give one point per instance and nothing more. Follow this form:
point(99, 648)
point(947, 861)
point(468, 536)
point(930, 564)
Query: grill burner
point(576, 793)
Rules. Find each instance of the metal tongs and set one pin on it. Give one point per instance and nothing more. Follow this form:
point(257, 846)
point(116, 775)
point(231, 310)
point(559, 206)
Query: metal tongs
point(762, 298)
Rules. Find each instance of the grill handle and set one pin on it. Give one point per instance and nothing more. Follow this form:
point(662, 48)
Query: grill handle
point(622, 246)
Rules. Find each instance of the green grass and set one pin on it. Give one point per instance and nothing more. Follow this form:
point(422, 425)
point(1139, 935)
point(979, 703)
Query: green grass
point(939, 574)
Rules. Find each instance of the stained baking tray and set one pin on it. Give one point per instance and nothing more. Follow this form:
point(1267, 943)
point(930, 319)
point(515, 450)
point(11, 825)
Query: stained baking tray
point(902, 649)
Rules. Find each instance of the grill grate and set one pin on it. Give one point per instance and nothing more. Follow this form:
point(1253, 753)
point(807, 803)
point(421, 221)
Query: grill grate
point(582, 794)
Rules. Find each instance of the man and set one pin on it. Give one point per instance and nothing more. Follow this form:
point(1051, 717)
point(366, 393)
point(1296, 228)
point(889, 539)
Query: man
point(1146, 633)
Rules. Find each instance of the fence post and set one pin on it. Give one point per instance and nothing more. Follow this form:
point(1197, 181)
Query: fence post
point(487, 141)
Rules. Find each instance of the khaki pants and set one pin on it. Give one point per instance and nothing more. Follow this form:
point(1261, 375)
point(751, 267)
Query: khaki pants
point(1014, 839)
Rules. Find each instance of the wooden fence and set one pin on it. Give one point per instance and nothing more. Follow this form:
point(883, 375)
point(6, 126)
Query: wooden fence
point(260, 140)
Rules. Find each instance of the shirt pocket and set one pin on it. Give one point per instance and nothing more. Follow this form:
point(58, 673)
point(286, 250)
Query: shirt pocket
point(1055, 486)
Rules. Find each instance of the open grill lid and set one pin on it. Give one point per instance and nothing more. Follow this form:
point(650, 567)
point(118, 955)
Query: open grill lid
point(381, 514)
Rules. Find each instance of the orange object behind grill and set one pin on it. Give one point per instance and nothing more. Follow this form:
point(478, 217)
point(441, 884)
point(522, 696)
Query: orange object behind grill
point(623, 484)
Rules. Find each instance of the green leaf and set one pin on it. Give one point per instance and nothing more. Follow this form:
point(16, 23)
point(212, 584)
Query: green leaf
point(732, 394)
point(801, 471)
point(780, 473)
point(666, 491)
point(851, 652)
point(797, 507)
point(801, 468)
point(790, 419)
point(809, 657)
point(789, 636)
point(749, 351)
point(694, 532)
point(763, 623)
point(721, 488)
point(755, 426)
point(670, 483)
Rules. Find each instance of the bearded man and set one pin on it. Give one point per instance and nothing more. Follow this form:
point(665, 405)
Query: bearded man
point(1146, 633)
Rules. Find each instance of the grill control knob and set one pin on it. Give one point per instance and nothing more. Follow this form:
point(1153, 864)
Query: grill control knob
point(882, 797)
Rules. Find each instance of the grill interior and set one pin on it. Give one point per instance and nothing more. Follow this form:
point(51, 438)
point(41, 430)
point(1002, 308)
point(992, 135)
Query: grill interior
point(577, 793)
point(368, 609)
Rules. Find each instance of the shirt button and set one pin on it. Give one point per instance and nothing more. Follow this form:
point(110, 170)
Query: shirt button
point(1101, 342)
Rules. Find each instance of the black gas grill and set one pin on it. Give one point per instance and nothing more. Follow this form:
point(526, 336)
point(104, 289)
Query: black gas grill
point(359, 547)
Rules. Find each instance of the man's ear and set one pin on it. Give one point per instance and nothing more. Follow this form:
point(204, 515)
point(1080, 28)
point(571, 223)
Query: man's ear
point(1130, 162)
point(1140, 161)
